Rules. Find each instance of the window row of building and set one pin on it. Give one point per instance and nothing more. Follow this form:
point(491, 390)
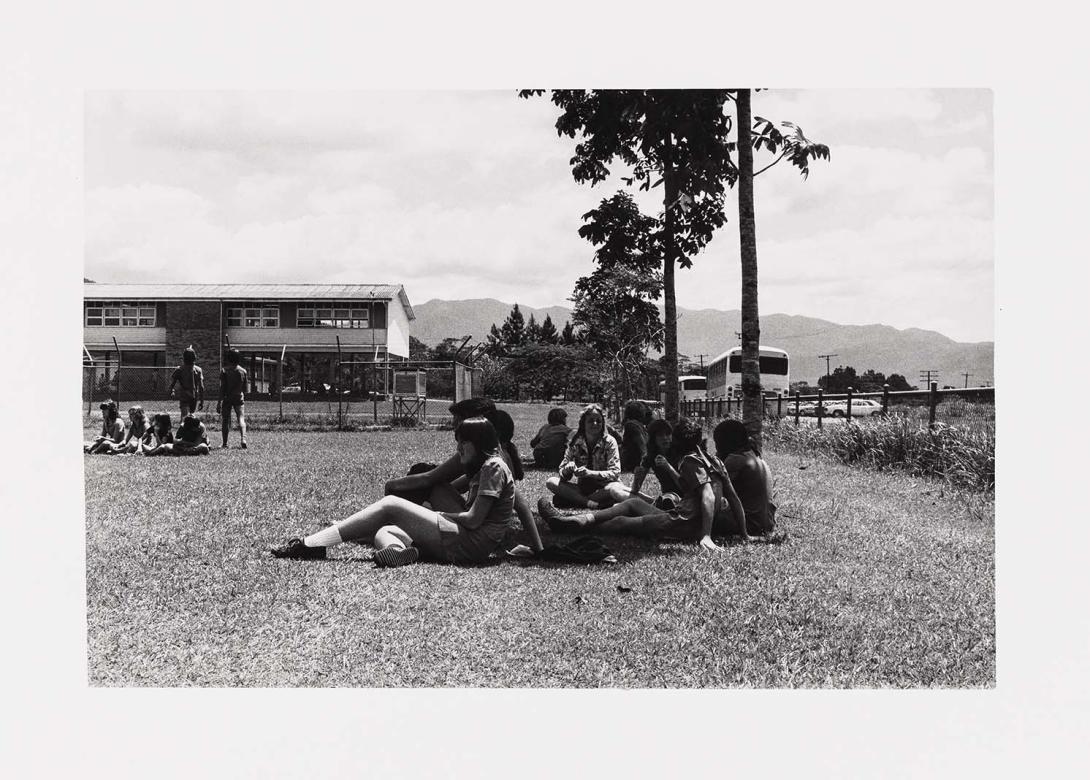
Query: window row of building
point(314, 314)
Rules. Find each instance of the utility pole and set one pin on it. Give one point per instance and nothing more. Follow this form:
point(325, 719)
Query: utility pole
point(826, 359)
point(966, 375)
point(701, 356)
point(927, 374)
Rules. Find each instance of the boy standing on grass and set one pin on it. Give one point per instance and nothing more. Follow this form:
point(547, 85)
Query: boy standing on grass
point(191, 379)
point(232, 387)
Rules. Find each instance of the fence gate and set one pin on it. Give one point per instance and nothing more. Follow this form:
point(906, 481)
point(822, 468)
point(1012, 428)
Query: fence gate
point(467, 382)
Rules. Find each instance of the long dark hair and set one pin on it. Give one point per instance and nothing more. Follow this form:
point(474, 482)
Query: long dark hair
point(505, 432)
point(656, 428)
point(482, 435)
point(161, 424)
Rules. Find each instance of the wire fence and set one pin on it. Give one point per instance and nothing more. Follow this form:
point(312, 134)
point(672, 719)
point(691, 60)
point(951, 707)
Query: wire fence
point(362, 393)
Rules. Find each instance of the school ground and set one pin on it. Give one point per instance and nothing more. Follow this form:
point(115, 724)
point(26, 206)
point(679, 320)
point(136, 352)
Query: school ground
point(874, 579)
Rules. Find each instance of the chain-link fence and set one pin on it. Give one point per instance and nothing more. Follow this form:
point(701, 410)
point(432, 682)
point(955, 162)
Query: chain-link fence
point(361, 393)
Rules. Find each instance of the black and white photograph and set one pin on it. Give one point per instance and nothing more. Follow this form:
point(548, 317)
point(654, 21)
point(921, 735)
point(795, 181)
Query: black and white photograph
point(591, 388)
point(478, 393)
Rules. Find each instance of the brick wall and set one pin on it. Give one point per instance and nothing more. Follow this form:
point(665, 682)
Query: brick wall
point(196, 323)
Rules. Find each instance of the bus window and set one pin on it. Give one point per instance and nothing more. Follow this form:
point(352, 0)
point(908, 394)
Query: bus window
point(774, 366)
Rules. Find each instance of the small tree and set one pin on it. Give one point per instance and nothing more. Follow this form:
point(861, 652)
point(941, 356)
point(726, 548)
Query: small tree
point(533, 331)
point(514, 329)
point(673, 138)
point(549, 334)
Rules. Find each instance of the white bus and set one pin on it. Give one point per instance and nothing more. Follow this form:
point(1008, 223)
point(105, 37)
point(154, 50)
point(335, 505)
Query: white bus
point(725, 373)
point(688, 387)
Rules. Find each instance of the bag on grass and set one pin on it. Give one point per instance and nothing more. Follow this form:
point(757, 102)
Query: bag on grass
point(582, 549)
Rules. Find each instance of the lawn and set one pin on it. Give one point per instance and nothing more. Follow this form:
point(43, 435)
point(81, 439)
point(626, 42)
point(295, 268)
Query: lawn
point(875, 579)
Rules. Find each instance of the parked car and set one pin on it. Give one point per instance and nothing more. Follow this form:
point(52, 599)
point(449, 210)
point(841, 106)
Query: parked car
point(861, 407)
point(289, 389)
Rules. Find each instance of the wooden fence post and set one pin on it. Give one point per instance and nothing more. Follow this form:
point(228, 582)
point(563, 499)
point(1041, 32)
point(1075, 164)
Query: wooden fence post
point(849, 404)
point(820, 407)
point(885, 400)
point(796, 408)
point(932, 402)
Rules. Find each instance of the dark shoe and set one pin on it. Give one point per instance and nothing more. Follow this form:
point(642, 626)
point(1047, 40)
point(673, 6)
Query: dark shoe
point(223, 446)
point(296, 550)
point(557, 521)
point(243, 445)
point(390, 557)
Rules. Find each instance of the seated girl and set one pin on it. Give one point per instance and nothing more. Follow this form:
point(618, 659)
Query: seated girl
point(403, 531)
point(139, 427)
point(751, 478)
point(662, 460)
point(705, 496)
point(160, 440)
point(113, 430)
point(551, 440)
point(594, 461)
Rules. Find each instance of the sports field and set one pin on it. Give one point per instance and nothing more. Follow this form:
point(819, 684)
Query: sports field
point(873, 579)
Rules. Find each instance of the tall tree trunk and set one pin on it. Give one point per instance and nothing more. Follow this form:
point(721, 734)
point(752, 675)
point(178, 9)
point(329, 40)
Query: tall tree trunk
point(752, 402)
point(670, 330)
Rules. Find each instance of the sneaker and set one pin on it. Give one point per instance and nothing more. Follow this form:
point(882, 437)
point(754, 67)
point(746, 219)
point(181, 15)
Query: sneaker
point(243, 445)
point(223, 446)
point(396, 556)
point(296, 550)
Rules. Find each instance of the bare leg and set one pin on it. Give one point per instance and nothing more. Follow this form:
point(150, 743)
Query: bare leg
point(225, 422)
point(419, 523)
point(241, 424)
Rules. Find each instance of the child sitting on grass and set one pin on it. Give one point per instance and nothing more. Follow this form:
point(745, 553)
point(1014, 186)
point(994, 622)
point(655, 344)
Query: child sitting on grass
point(661, 459)
point(139, 427)
point(751, 478)
point(551, 440)
point(637, 416)
point(594, 461)
point(705, 495)
point(113, 430)
point(160, 439)
point(403, 531)
point(192, 438)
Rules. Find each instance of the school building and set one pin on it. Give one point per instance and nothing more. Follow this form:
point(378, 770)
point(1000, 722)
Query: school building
point(315, 330)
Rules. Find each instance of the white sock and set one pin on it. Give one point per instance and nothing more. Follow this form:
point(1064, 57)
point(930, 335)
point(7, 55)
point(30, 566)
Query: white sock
point(592, 505)
point(327, 537)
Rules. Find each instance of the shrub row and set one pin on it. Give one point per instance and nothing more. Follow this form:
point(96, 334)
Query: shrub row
point(959, 456)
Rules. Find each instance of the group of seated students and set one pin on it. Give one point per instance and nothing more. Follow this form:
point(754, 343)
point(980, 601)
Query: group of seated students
point(424, 514)
point(146, 434)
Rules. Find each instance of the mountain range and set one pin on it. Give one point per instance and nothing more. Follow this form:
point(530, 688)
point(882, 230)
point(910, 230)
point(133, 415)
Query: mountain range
point(710, 332)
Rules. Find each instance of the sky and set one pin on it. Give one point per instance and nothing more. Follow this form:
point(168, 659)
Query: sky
point(468, 194)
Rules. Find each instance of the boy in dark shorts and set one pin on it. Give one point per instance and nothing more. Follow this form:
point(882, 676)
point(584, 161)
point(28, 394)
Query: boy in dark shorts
point(232, 390)
point(190, 378)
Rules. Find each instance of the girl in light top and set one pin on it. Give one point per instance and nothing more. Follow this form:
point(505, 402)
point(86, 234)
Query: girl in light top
point(403, 531)
point(593, 459)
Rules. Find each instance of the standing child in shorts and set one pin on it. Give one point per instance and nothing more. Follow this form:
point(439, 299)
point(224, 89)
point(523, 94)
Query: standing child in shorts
point(190, 379)
point(232, 390)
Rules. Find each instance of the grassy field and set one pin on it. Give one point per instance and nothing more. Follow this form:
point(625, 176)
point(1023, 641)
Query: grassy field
point(875, 579)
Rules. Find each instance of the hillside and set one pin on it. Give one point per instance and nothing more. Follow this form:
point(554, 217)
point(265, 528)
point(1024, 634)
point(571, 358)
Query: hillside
point(709, 332)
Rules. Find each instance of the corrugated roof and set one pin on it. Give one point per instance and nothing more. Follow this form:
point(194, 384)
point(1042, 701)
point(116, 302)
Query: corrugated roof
point(253, 292)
